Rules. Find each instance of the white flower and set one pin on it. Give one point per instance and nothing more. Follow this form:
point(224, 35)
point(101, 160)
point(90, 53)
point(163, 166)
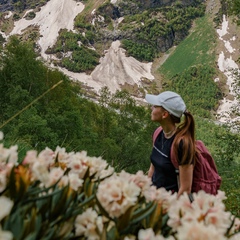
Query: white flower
point(150, 194)
point(6, 206)
point(40, 172)
point(116, 194)
point(75, 181)
point(55, 175)
point(30, 158)
point(148, 234)
point(64, 181)
point(97, 164)
point(1, 135)
point(77, 167)
point(13, 154)
point(198, 231)
point(3, 181)
point(8, 155)
point(141, 180)
point(206, 208)
point(106, 172)
point(62, 155)
point(46, 156)
point(235, 236)
point(5, 235)
point(89, 224)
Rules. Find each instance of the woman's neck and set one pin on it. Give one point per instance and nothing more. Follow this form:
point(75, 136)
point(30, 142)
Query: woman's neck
point(169, 131)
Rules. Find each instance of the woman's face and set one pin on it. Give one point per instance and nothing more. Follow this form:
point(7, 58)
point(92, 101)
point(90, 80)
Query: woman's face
point(158, 113)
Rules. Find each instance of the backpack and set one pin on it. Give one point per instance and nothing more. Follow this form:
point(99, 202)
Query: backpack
point(205, 174)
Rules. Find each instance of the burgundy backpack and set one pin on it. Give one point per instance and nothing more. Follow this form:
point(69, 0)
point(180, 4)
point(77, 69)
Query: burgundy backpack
point(205, 174)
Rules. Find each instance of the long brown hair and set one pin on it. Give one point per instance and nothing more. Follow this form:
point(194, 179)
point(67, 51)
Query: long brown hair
point(186, 133)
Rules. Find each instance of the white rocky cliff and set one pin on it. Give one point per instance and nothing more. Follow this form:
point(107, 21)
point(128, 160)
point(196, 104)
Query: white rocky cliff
point(115, 68)
point(230, 69)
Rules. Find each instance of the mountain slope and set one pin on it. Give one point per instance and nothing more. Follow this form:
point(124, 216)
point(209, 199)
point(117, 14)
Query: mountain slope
point(50, 18)
point(116, 70)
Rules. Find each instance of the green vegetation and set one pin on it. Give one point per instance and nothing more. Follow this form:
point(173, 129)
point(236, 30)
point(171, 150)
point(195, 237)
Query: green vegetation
point(233, 8)
point(31, 15)
point(190, 69)
point(151, 31)
point(197, 83)
point(82, 23)
point(117, 128)
point(139, 51)
point(64, 118)
point(157, 33)
point(197, 48)
point(81, 58)
point(21, 5)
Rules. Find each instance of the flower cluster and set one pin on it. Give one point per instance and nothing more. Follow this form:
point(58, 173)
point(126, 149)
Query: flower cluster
point(8, 158)
point(71, 195)
point(46, 169)
point(205, 217)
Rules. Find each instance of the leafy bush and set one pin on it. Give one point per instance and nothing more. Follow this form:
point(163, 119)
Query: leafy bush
point(142, 52)
point(201, 100)
point(61, 195)
point(82, 60)
point(158, 28)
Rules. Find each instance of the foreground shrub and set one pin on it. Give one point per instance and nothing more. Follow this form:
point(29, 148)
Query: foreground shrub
point(60, 195)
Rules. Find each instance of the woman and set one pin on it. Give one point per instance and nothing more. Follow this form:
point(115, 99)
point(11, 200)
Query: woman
point(168, 108)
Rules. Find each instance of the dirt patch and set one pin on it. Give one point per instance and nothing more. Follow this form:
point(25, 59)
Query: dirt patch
point(234, 34)
point(159, 78)
point(212, 7)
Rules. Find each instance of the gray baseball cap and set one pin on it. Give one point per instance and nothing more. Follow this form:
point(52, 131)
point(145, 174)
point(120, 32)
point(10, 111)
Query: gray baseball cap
point(171, 101)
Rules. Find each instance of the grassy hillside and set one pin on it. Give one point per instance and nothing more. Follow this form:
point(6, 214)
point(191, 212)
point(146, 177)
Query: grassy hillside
point(197, 48)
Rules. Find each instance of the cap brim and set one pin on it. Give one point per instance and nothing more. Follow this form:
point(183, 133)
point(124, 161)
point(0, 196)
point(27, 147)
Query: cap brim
point(152, 99)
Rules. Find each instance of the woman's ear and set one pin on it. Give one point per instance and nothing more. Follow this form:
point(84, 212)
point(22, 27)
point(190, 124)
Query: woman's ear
point(165, 114)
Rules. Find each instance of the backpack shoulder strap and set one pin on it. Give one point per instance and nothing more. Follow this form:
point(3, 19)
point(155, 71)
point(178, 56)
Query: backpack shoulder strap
point(155, 134)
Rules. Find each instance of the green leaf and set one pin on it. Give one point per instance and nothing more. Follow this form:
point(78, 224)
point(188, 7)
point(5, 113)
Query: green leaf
point(31, 236)
point(15, 223)
point(150, 207)
point(113, 234)
point(123, 221)
point(12, 185)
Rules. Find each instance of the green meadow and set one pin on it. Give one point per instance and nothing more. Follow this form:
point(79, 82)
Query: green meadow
point(197, 48)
